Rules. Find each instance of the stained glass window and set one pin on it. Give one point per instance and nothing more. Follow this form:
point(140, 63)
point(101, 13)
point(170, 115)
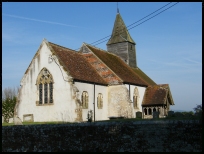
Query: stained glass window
point(45, 94)
point(51, 92)
point(40, 93)
point(45, 83)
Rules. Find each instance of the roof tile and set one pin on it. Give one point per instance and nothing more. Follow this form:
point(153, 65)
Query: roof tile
point(78, 67)
point(118, 66)
point(155, 95)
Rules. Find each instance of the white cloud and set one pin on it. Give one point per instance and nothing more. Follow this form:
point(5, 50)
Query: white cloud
point(197, 62)
point(49, 22)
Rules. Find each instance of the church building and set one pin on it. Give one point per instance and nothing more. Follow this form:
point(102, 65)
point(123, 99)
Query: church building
point(62, 84)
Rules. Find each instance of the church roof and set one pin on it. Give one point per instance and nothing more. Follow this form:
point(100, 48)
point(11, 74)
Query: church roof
point(76, 65)
point(119, 67)
point(108, 75)
point(142, 75)
point(120, 32)
point(157, 95)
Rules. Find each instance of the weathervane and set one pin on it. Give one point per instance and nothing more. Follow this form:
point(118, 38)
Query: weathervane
point(117, 8)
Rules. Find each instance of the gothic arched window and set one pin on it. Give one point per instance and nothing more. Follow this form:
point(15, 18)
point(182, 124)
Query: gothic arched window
point(136, 98)
point(100, 101)
point(145, 111)
point(150, 111)
point(85, 99)
point(45, 87)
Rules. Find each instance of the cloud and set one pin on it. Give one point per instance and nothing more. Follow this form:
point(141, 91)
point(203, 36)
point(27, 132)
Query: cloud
point(177, 63)
point(49, 22)
point(193, 61)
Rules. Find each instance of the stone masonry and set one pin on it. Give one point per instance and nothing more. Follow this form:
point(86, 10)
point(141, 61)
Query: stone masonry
point(139, 136)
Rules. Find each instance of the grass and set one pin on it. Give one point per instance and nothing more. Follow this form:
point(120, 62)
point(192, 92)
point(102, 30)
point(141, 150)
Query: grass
point(160, 119)
point(114, 120)
point(35, 123)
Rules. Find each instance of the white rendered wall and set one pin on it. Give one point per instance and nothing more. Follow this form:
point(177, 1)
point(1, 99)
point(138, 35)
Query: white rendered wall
point(100, 114)
point(141, 91)
point(63, 106)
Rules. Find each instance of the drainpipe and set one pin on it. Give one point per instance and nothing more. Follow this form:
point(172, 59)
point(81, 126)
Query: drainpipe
point(94, 102)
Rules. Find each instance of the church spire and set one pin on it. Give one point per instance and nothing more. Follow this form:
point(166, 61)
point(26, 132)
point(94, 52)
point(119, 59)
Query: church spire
point(117, 8)
point(121, 42)
point(120, 32)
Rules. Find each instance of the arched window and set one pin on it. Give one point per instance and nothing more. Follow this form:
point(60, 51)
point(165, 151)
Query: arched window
point(150, 111)
point(85, 99)
point(154, 110)
point(40, 93)
point(136, 98)
point(45, 94)
point(145, 111)
point(100, 101)
point(45, 87)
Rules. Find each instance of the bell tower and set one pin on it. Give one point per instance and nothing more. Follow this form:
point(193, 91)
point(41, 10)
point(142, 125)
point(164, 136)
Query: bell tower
point(121, 42)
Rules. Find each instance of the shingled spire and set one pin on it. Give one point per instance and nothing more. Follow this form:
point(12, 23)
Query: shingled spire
point(120, 32)
point(121, 42)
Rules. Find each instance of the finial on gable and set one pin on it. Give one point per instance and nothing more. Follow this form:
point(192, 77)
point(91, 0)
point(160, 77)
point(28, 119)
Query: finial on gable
point(44, 40)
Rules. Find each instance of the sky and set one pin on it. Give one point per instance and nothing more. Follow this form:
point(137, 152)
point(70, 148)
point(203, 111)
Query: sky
point(168, 43)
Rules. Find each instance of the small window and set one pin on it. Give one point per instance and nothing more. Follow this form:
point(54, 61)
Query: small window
point(100, 101)
point(85, 100)
point(130, 47)
point(136, 98)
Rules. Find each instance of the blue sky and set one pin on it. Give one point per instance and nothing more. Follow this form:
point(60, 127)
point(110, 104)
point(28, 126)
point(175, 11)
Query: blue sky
point(168, 46)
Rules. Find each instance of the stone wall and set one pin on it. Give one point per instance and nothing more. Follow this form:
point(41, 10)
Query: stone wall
point(139, 136)
point(119, 103)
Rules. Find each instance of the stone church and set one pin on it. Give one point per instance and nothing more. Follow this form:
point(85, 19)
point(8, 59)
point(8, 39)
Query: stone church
point(62, 84)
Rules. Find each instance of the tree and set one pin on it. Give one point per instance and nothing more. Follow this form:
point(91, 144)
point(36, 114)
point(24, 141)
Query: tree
point(198, 109)
point(9, 98)
point(199, 112)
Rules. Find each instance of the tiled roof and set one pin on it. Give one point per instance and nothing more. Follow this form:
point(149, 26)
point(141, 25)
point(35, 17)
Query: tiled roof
point(77, 66)
point(155, 95)
point(120, 32)
point(102, 69)
point(140, 73)
point(118, 66)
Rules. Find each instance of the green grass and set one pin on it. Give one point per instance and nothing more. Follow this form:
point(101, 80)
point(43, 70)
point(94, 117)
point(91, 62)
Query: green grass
point(35, 123)
point(160, 119)
point(114, 120)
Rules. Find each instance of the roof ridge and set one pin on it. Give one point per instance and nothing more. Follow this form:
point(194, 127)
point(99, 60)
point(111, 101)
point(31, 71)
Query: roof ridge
point(123, 63)
point(63, 60)
point(62, 46)
point(104, 50)
point(104, 62)
point(95, 47)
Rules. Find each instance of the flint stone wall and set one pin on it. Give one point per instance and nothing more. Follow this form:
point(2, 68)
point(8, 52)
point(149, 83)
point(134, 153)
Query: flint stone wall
point(139, 136)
